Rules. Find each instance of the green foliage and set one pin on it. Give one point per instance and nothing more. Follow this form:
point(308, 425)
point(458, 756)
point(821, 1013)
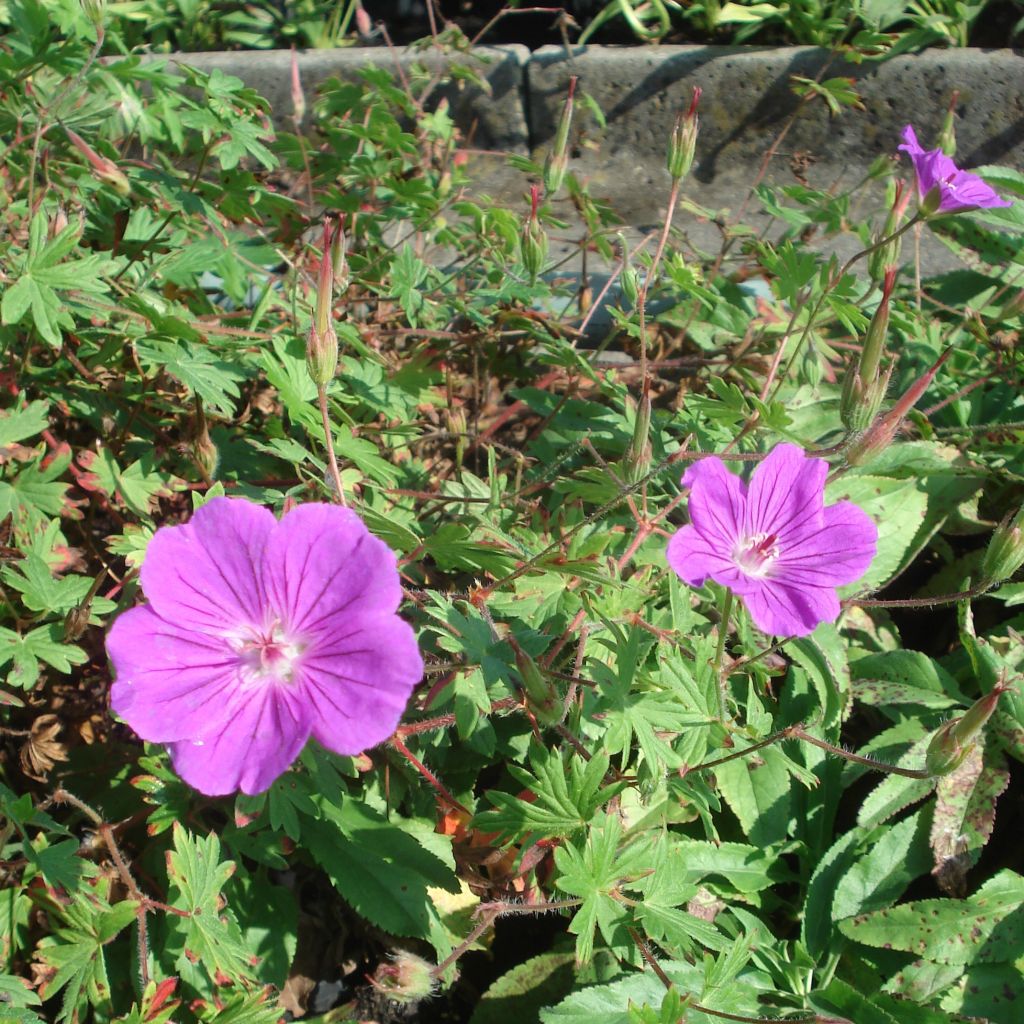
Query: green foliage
point(590, 747)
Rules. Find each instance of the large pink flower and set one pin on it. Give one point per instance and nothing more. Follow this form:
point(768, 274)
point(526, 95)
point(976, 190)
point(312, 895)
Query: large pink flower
point(774, 544)
point(957, 190)
point(259, 634)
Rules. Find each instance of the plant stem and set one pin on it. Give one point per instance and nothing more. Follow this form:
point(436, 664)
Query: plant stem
point(798, 733)
point(723, 631)
point(321, 397)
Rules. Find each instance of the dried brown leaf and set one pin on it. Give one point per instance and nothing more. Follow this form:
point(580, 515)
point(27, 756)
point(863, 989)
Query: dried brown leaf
point(41, 751)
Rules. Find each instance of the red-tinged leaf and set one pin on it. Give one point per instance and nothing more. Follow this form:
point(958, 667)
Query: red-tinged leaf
point(965, 814)
point(163, 992)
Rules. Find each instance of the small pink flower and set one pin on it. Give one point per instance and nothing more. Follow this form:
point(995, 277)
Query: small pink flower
point(259, 634)
point(956, 189)
point(774, 544)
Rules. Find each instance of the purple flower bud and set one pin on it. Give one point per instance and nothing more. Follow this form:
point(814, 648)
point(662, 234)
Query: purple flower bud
point(682, 143)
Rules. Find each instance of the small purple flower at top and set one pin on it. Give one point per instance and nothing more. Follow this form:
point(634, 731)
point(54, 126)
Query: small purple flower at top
point(941, 186)
point(259, 634)
point(775, 544)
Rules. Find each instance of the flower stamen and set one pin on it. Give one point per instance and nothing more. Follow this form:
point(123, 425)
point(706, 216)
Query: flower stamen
point(755, 555)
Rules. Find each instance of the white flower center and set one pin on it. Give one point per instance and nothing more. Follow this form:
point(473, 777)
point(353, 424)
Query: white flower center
point(268, 654)
point(755, 555)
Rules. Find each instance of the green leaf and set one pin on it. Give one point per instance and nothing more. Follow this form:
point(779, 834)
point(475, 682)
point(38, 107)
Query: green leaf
point(44, 643)
point(986, 928)
point(208, 935)
point(18, 424)
point(379, 868)
point(758, 791)
point(136, 487)
point(76, 951)
point(894, 857)
point(965, 814)
point(594, 872)
point(521, 993)
point(198, 367)
point(567, 790)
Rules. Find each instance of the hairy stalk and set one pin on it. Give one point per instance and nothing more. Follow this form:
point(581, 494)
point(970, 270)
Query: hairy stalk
point(723, 632)
point(798, 733)
point(918, 602)
point(438, 786)
point(339, 488)
point(641, 302)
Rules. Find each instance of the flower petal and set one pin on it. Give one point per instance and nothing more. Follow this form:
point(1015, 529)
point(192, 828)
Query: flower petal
point(170, 681)
point(910, 143)
point(358, 682)
point(786, 494)
point(780, 610)
point(694, 558)
point(963, 189)
point(323, 566)
point(263, 731)
point(837, 553)
point(716, 502)
point(206, 573)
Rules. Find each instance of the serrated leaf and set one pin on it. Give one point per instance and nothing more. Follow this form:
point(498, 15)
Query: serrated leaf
point(208, 933)
point(965, 813)
point(986, 928)
point(379, 868)
point(19, 424)
point(523, 991)
point(567, 792)
point(893, 859)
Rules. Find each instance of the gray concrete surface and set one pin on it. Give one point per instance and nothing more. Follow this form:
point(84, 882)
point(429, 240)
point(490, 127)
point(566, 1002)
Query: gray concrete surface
point(747, 102)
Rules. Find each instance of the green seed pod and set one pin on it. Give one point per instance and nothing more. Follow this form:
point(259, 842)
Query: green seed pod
point(1005, 552)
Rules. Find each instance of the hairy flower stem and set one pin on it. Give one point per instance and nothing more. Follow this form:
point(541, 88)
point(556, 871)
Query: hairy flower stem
point(339, 488)
point(798, 733)
point(106, 833)
point(438, 786)
point(641, 302)
point(723, 632)
point(918, 602)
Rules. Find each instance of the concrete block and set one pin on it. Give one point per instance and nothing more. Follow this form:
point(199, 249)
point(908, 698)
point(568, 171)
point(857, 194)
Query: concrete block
point(747, 102)
point(488, 119)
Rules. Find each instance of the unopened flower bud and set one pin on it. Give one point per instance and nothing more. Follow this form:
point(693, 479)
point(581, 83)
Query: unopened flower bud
point(322, 355)
point(638, 455)
point(95, 11)
point(533, 242)
point(888, 255)
point(947, 133)
point(104, 169)
point(954, 741)
point(874, 340)
point(339, 264)
point(58, 222)
point(557, 160)
point(200, 447)
point(1005, 552)
point(629, 279)
point(682, 143)
point(541, 693)
point(298, 94)
point(364, 26)
point(322, 340)
point(860, 400)
point(407, 978)
point(880, 434)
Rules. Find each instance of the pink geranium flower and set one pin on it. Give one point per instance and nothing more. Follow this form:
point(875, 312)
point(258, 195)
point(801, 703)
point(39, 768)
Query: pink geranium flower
point(774, 544)
point(956, 189)
point(259, 634)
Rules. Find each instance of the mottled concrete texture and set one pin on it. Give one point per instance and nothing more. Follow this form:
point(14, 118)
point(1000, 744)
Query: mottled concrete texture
point(747, 102)
point(491, 119)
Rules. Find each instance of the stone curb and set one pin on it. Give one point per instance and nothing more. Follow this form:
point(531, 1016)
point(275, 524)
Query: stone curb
point(746, 105)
